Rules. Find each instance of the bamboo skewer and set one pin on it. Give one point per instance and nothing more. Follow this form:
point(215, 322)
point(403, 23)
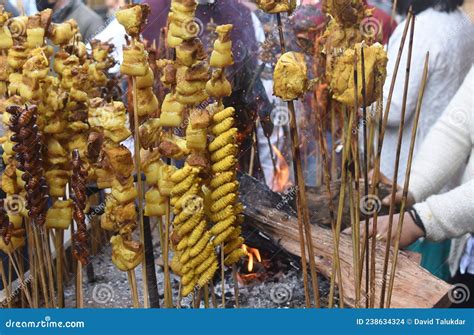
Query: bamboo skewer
point(327, 179)
point(345, 158)
point(138, 170)
point(407, 179)
point(5, 284)
point(46, 241)
point(40, 263)
point(366, 169)
point(59, 241)
point(19, 275)
point(302, 206)
point(222, 276)
point(236, 285)
point(133, 287)
point(168, 290)
point(382, 126)
point(79, 288)
point(397, 162)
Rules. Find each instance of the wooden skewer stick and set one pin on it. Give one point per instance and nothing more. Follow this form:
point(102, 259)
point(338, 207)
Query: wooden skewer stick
point(397, 163)
point(376, 175)
point(302, 206)
point(236, 285)
point(168, 290)
point(138, 169)
point(23, 285)
point(366, 168)
point(41, 265)
point(32, 262)
point(340, 209)
point(222, 276)
point(6, 287)
point(59, 241)
point(46, 242)
point(374, 191)
point(407, 179)
point(327, 181)
point(79, 288)
point(132, 280)
point(355, 207)
point(206, 296)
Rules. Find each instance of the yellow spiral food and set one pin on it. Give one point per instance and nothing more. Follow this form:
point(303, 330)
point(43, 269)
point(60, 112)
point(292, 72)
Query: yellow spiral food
point(195, 259)
point(225, 208)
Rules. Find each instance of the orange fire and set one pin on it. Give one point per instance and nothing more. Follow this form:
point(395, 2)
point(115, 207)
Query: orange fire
point(281, 177)
point(251, 252)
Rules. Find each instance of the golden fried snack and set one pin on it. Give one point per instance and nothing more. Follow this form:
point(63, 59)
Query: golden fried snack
point(150, 133)
point(63, 33)
point(190, 52)
point(182, 25)
point(57, 180)
point(218, 86)
point(147, 102)
point(165, 183)
point(222, 54)
point(133, 17)
point(346, 13)
point(168, 71)
point(225, 209)
point(126, 255)
point(191, 83)
point(101, 53)
point(120, 160)
point(151, 162)
point(59, 216)
point(135, 60)
point(6, 39)
point(17, 26)
point(196, 261)
point(276, 6)
point(37, 65)
point(171, 112)
point(290, 76)
point(147, 80)
point(173, 146)
point(109, 116)
point(37, 27)
point(196, 132)
point(17, 56)
point(156, 203)
point(342, 80)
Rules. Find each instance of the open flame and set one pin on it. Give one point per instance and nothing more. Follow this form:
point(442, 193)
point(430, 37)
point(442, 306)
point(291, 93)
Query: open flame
point(251, 253)
point(281, 176)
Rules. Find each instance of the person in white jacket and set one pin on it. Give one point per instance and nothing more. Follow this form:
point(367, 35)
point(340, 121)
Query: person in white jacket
point(446, 31)
point(447, 149)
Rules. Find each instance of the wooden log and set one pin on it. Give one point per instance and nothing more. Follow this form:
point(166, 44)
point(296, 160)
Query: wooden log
point(271, 213)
